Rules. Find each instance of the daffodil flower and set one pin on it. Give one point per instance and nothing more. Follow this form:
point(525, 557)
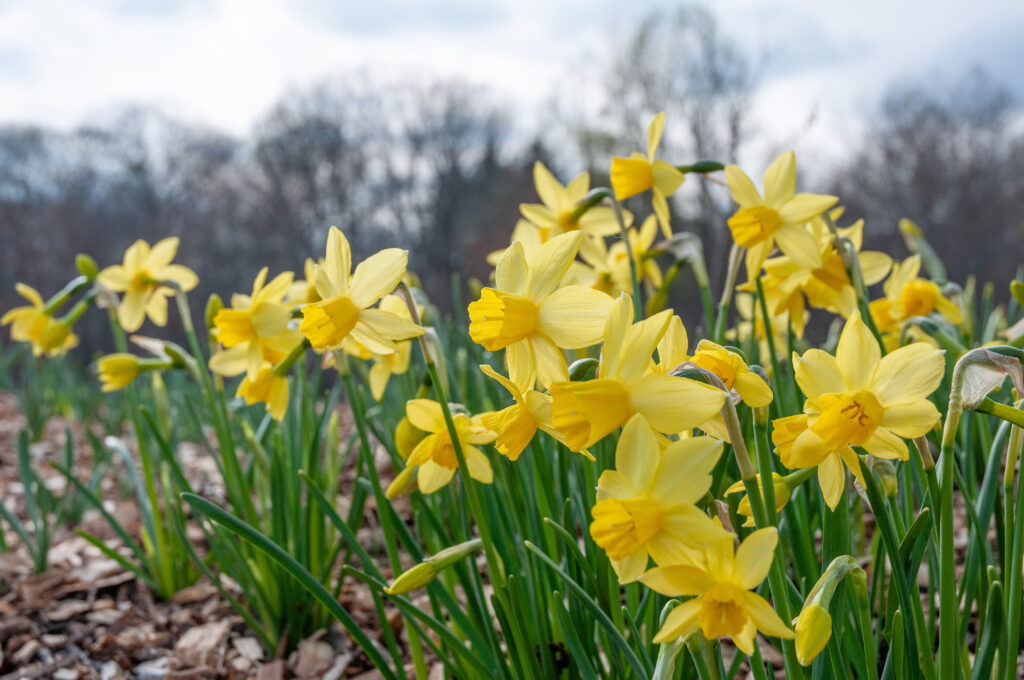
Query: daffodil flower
point(646, 506)
point(267, 387)
point(636, 174)
point(434, 455)
point(554, 215)
point(776, 218)
point(859, 398)
point(345, 309)
point(141, 277)
point(780, 487)
point(516, 425)
point(255, 329)
point(588, 411)
point(786, 284)
point(720, 585)
point(907, 295)
point(528, 316)
point(32, 324)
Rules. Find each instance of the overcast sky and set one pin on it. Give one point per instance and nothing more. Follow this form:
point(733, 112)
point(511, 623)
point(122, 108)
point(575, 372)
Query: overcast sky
point(223, 62)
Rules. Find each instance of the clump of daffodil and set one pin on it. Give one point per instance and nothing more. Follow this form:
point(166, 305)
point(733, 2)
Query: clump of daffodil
point(786, 283)
point(528, 316)
point(720, 585)
point(517, 424)
point(589, 410)
point(636, 174)
point(858, 398)
point(728, 365)
point(347, 298)
point(117, 371)
point(142, 277)
point(907, 295)
point(777, 218)
point(434, 455)
point(34, 324)
point(255, 329)
point(556, 214)
point(646, 506)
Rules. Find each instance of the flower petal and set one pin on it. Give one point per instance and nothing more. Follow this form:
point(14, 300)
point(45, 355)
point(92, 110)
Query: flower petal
point(672, 404)
point(425, 414)
point(832, 479)
point(338, 263)
point(549, 189)
point(886, 444)
point(377, 275)
point(765, 618)
point(799, 245)
point(684, 473)
point(754, 557)
point(574, 316)
point(549, 361)
point(743, 190)
point(680, 622)
point(805, 207)
point(909, 374)
point(858, 354)
point(639, 343)
point(549, 264)
point(817, 373)
point(911, 420)
point(780, 180)
point(637, 455)
point(678, 580)
point(510, 272)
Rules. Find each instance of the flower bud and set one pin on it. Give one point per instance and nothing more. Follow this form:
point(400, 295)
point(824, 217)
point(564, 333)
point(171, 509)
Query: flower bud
point(117, 371)
point(423, 573)
point(886, 473)
point(86, 266)
point(813, 630)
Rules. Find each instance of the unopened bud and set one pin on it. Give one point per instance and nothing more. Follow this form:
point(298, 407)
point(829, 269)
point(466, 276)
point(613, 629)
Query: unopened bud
point(886, 473)
point(423, 573)
point(86, 266)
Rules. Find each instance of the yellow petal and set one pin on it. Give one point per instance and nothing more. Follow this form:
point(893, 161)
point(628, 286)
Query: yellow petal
point(660, 205)
point(680, 622)
point(909, 374)
point(114, 277)
point(577, 188)
point(637, 454)
point(805, 207)
point(478, 464)
point(807, 451)
point(388, 325)
point(548, 360)
point(886, 444)
point(911, 420)
point(817, 373)
point(743, 190)
point(639, 343)
point(684, 473)
point(780, 180)
point(132, 311)
point(678, 580)
point(857, 354)
point(753, 389)
point(672, 404)
point(538, 215)
point(548, 188)
point(754, 557)
point(432, 476)
point(667, 177)
point(874, 266)
point(519, 364)
point(268, 319)
point(229, 362)
point(686, 530)
point(510, 272)
point(799, 245)
point(813, 630)
point(586, 412)
point(425, 415)
point(180, 274)
point(765, 618)
point(654, 131)
point(338, 263)
point(574, 316)
point(673, 345)
point(549, 264)
point(379, 377)
point(162, 253)
point(832, 479)
point(156, 307)
point(756, 255)
point(620, 318)
point(377, 275)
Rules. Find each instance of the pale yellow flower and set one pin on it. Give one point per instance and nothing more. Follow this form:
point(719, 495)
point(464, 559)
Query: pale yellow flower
point(636, 174)
point(141, 277)
point(554, 215)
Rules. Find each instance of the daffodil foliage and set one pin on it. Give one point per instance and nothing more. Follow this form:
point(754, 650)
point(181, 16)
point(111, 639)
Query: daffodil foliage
point(587, 479)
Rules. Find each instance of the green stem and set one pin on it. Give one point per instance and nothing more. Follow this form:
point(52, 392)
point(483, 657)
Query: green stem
point(638, 305)
point(735, 256)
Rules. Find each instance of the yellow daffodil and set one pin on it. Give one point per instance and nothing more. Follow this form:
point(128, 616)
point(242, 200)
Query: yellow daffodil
point(528, 316)
point(636, 174)
point(554, 215)
point(587, 411)
point(529, 237)
point(720, 585)
point(435, 455)
point(140, 278)
point(517, 424)
point(776, 218)
point(828, 287)
point(345, 309)
point(407, 436)
point(645, 506)
point(267, 387)
point(33, 324)
point(255, 329)
point(117, 371)
point(304, 291)
point(859, 398)
point(907, 295)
